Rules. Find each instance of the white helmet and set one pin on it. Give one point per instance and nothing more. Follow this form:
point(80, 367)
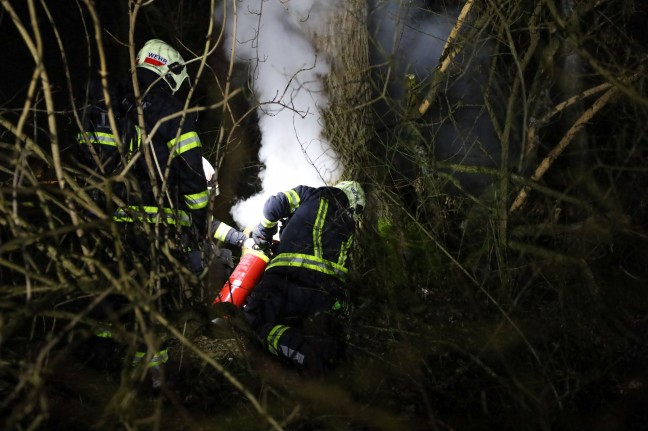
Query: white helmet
point(356, 196)
point(165, 61)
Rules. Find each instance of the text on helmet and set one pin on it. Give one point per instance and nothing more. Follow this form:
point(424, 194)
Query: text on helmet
point(155, 59)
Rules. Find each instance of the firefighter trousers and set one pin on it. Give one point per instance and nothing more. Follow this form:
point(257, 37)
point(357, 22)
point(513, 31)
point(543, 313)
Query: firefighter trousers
point(296, 322)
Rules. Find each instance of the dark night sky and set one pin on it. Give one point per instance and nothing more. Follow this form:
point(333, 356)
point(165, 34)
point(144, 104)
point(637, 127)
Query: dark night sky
point(20, 64)
point(165, 19)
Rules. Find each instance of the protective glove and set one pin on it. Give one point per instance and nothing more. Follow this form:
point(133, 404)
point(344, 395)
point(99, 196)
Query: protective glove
point(262, 236)
point(223, 232)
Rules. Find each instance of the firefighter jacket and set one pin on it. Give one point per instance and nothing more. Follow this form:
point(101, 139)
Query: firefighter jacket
point(175, 155)
point(105, 153)
point(316, 234)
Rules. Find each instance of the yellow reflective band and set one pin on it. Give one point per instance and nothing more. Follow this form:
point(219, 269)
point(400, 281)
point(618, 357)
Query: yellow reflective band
point(221, 231)
point(100, 138)
point(293, 199)
point(197, 201)
point(160, 357)
point(273, 338)
point(310, 262)
point(137, 140)
point(104, 332)
point(184, 143)
point(318, 226)
point(344, 251)
point(267, 223)
point(151, 215)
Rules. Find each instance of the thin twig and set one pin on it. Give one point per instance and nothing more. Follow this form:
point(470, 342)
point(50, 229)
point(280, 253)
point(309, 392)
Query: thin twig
point(580, 123)
point(450, 51)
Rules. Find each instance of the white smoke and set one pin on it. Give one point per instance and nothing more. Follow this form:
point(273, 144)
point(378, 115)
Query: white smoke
point(409, 38)
point(275, 38)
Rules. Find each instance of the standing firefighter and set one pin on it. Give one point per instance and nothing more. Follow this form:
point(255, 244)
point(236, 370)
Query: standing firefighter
point(162, 204)
point(303, 288)
point(157, 191)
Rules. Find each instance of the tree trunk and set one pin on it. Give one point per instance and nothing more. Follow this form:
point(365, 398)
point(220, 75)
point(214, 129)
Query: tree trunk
point(347, 117)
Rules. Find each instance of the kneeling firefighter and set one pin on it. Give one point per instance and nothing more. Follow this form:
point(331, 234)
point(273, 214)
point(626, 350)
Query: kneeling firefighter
point(297, 309)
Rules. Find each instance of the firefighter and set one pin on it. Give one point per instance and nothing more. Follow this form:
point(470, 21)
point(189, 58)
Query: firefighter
point(297, 309)
point(162, 205)
point(167, 187)
point(179, 174)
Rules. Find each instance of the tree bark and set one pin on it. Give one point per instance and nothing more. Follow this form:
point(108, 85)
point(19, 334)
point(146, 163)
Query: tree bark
point(347, 119)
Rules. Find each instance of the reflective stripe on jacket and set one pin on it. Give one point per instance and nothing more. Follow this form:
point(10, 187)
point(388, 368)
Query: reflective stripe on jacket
point(174, 168)
point(178, 153)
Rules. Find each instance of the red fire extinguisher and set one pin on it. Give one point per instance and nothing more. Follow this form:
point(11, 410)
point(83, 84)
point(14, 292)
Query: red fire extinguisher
point(245, 276)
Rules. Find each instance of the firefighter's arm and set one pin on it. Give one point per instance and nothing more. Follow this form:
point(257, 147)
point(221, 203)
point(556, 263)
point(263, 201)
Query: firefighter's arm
point(226, 233)
point(187, 151)
point(282, 205)
point(277, 207)
point(197, 201)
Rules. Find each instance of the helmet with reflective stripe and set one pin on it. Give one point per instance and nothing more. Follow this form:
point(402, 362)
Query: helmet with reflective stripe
point(355, 194)
point(165, 61)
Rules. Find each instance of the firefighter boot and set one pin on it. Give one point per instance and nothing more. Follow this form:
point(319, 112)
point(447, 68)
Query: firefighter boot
point(311, 355)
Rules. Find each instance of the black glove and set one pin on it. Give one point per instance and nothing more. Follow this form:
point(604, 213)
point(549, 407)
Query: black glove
point(236, 238)
point(262, 236)
point(224, 232)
